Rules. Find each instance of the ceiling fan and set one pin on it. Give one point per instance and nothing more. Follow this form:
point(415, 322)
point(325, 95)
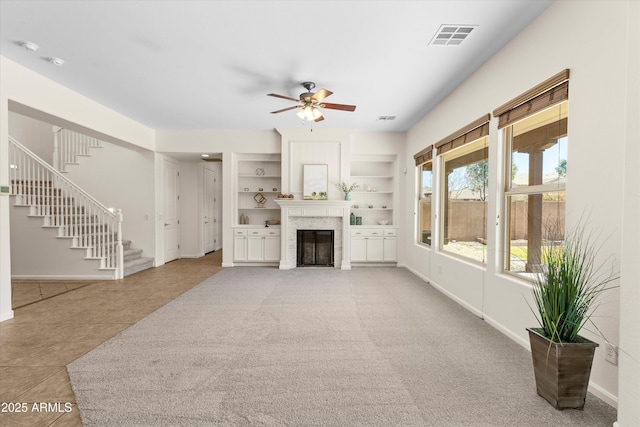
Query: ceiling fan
point(310, 103)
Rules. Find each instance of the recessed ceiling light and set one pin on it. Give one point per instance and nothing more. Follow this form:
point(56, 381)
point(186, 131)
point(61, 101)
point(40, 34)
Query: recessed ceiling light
point(29, 45)
point(56, 61)
point(204, 155)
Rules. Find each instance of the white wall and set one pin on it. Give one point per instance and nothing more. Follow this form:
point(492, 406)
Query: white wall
point(629, 374)
point(37, 254)
point(567, 35)
point(34, 134)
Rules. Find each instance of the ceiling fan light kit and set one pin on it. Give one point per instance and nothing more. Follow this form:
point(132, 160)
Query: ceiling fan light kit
point(309, 113)
point(310, 103)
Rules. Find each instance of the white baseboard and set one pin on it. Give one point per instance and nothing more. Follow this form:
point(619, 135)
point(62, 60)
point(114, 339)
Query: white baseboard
point(463, 303)
point(6, 316)
point(60, 277)
point(192, 256)
point(595, 389)
point(603, 394)
point(508, 332)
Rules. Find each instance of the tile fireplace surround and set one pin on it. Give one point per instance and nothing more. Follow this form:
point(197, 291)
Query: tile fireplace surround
point(314, 215)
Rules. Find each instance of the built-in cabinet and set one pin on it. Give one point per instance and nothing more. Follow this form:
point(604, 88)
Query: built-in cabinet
point(256, 244)
point(373, 244)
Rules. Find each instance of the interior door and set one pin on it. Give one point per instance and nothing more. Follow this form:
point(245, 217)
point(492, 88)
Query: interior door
point(217, 206)
point(170, 211)
point(209, 211)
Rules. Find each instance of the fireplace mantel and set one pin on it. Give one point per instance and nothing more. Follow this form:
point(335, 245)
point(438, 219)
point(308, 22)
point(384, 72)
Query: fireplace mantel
point(310, 209)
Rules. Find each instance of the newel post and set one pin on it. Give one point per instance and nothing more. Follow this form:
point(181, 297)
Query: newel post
point(56, 148)
point(119, 247)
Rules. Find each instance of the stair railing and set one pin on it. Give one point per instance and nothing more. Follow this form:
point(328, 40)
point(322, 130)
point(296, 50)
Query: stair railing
point(68, 145)
point(63, 204)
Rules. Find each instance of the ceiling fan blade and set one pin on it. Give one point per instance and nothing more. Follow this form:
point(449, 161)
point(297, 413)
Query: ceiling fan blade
point(342, 107)
point(283, 97)
point(285, 109)
point(321, 94)
point(319, 119)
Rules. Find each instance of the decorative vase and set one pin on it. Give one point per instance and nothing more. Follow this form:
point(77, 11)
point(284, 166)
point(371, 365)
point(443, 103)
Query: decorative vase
point(561, 370)
point(347, 196)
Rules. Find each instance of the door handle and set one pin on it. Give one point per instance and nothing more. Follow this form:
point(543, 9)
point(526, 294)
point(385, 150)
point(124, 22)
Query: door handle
point(166, 223)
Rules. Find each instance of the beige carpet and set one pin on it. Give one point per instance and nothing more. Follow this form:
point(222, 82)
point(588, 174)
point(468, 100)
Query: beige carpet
point(315, 347)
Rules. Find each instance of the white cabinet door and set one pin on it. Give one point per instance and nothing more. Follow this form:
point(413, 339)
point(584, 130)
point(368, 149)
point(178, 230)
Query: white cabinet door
point(389, 249)
point(240, 248)
point(374, 248)
point(358, 249)
point(271, 248)
point(255, 248)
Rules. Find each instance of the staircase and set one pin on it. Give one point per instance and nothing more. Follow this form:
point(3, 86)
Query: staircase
point(73, 213)
point(133, 259)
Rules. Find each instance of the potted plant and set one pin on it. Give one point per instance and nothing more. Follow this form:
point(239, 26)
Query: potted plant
point(566, 292)
point(347, 189)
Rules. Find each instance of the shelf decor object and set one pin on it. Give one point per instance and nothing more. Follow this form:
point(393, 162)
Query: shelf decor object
point(347, 189)
point(260, 199)
point(315, 182)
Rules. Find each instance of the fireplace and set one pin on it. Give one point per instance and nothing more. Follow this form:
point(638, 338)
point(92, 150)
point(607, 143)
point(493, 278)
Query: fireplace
point(332, 215)
point(314, 248)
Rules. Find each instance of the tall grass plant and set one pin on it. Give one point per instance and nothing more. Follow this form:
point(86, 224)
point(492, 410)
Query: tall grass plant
point(568, 289)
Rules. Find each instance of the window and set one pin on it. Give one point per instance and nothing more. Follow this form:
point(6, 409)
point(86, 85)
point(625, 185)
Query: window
point(537, 163)
point(535, 131)
point(424, 203)
point(424, 165)
point(463, 191)
point(464, 200)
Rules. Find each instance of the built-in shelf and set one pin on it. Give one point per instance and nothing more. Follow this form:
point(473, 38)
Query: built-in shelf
point(257, 173)
point(375, 175)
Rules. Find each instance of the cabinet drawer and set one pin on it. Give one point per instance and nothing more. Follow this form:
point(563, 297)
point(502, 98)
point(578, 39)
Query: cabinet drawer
point(263, 231)
point(366, 232)
point(390, 232)
point(239, 232)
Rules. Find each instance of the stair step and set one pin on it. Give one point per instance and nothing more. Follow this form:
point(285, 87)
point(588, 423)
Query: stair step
point(137, 265)
point(131, 254)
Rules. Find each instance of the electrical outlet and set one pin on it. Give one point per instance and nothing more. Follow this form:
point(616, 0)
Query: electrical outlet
point(611, 353)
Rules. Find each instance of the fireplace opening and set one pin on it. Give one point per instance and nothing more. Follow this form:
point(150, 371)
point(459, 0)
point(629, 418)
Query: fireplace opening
point(314, 248)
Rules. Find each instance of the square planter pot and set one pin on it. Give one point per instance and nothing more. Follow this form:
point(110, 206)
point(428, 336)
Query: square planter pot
point(561, 370)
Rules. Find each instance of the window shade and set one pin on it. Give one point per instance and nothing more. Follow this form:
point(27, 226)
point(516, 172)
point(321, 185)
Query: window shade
point(469, 133)
point(424, 156)
point(547, 93)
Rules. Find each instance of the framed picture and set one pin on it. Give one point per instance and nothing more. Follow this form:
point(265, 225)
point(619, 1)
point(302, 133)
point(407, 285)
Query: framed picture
point(314, 182)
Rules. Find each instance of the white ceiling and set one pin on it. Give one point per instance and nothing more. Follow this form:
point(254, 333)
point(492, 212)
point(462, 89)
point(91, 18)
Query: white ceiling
point(205, 65)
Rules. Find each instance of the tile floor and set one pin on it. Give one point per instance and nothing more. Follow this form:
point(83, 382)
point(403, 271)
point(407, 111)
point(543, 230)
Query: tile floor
point(56, 323)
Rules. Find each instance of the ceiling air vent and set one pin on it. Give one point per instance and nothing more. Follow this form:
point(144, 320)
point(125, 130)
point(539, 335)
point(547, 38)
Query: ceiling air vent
point(451, 35)
point(386, 118)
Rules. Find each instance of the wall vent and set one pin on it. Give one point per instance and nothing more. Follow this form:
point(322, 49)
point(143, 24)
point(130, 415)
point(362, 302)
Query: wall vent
point(451, 35)
point(386, 118)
